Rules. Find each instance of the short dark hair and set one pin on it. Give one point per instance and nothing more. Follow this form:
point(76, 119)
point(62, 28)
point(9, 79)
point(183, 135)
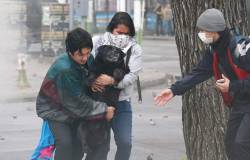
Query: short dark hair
point(122, 18)
point(77, 39)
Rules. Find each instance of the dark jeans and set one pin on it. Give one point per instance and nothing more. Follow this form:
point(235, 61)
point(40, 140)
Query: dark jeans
point(122, 129)
point(159, 26)
point(97, 139)
point(237, 138)
point(100, 153)
point(68, 146)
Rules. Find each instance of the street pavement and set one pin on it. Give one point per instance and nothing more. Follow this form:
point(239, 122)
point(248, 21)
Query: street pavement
point(160, 64)
point(20, 127)
point(156, 130)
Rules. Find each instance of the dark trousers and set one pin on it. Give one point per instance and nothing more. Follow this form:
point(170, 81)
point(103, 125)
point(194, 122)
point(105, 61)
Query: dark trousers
point(68, 146)
point(100, 153)
point(159, 26)
point(121, 125)
point(97, 139)
point(122, 129)
point(237, 139)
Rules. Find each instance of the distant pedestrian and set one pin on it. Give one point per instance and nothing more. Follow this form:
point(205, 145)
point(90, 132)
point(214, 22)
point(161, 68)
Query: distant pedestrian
point(159, 19)
point(168, 19)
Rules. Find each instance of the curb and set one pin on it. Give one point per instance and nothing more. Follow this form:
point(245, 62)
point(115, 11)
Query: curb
point(167, 79)
point(31, 97)
point(159, 38)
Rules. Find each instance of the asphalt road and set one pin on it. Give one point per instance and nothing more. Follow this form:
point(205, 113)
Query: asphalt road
point(20, 129)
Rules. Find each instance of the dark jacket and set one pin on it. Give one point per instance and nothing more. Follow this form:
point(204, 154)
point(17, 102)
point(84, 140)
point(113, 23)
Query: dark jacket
point(109, 60)
point(63, 94)
point(240, 89)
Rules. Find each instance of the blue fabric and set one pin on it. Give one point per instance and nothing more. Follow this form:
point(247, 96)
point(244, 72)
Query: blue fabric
point(45, 147)
point(122, 129)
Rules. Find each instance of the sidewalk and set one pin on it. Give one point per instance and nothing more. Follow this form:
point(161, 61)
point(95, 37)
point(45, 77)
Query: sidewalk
point(160, 65)
point(160, 38)
point(36, 71)
point(20, 127)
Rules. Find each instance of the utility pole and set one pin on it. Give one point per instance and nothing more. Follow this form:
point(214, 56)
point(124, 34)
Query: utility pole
point(139, 7)
point(78, 13)
point(71, 14)
point(121, 5)
point(94, 17)
point(107, 10)
point(90, 16)
point(248, 14)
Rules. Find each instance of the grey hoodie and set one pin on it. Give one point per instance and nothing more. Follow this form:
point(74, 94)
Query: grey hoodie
point(135, 64)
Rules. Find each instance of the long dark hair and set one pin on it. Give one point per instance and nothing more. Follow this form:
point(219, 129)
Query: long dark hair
point(122, 18)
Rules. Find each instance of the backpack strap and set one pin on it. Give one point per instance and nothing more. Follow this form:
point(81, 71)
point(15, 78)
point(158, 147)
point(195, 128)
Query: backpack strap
point(239, 46)
point(217, 75)
point(240, 73)
point(139, 89)
point(129, 52)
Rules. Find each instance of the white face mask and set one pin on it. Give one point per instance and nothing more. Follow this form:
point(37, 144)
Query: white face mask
point(119, 40)
point(203, 38)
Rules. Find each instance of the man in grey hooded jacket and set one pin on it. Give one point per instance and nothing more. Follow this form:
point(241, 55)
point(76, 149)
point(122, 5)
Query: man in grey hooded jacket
point(227, 59)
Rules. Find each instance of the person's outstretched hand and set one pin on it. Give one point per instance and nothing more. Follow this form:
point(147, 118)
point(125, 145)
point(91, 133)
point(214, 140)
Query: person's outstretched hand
point(165, 96)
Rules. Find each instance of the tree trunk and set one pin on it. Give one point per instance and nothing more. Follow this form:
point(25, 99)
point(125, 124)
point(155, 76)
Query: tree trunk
point(204, 115)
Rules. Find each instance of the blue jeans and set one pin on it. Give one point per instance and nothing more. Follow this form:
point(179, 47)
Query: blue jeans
point(122, 128)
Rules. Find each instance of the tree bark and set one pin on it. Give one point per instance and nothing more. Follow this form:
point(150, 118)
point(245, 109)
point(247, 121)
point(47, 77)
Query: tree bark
point(204, 114)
